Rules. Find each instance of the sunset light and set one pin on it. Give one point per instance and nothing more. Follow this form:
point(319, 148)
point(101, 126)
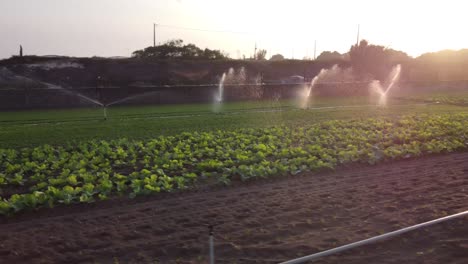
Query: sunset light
point(289, 28)
point(241, 131)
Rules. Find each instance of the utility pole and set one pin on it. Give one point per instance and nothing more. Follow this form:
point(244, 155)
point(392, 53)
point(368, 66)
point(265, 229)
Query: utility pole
point(154, 34)
point(315, 49)
point(357, 41)
point(255, 51)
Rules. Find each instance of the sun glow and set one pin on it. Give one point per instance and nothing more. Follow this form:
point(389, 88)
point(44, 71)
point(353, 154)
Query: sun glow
point(290, 28)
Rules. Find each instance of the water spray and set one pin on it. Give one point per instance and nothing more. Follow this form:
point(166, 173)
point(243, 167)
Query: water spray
point(376, 86)
point(218, 97)
point(306, 93)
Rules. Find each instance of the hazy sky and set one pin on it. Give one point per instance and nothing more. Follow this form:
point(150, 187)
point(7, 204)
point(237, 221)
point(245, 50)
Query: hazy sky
point(118, 27)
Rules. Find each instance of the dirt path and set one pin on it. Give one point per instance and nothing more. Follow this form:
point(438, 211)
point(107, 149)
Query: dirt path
point(263, 222)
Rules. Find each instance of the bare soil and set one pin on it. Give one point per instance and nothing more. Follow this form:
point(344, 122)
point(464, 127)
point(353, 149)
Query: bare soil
point(263, 221)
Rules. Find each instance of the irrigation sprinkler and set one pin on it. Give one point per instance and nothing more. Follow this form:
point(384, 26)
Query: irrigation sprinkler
point(211, 243)
point(104, 110)
point(372, 239)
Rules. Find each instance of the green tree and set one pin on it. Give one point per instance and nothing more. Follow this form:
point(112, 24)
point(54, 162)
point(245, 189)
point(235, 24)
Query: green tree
point(329, 56)
point(369, 61)
point(174, 49)
point(374, 61)
point(397, 56)
point(261, 54)
point(277, 57)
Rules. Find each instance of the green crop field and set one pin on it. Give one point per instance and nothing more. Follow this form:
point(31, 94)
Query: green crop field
point(55, 157)
point(440, 97)
point(34, 128)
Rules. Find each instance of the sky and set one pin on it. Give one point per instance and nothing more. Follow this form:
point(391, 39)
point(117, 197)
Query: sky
point(119, 27)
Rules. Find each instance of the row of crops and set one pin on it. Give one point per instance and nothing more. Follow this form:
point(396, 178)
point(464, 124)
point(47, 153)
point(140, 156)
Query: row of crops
point(450, 100)
point(460, 99)
point(46, 176)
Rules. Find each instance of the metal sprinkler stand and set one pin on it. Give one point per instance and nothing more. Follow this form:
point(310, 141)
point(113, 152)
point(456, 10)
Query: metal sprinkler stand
point(211, 243)
point(105, 112)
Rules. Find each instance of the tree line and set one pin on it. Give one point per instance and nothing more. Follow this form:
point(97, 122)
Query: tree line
point(367, 60)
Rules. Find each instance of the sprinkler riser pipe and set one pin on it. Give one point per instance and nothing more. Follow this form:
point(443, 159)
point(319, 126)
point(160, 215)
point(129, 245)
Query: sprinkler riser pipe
point(211, 241)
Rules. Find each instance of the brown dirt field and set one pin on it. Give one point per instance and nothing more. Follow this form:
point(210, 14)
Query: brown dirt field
point(263, 221)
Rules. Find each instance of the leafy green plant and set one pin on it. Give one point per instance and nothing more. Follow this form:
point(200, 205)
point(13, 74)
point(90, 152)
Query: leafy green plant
point(102, 169)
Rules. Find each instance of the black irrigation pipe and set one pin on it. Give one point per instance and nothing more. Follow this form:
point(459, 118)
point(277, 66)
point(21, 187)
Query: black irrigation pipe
point(158, 86)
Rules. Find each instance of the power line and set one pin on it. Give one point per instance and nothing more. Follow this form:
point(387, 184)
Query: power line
point(206, 30)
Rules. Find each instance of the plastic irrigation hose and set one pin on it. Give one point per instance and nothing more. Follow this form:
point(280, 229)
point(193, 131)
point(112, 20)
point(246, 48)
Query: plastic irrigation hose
point(372, 239)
